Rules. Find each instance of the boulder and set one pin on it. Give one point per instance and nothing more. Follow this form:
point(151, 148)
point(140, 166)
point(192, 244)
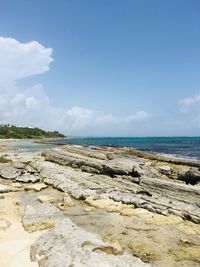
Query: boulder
point(165, 170)
point(123, 166)
point(189, 176)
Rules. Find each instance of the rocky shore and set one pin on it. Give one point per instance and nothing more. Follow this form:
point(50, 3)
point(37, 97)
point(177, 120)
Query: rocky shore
point(77, 206)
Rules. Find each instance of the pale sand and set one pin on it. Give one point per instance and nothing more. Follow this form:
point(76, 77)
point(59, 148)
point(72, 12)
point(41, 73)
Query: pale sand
point(14, 241)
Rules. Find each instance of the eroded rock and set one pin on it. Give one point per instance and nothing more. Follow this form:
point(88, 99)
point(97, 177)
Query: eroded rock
point(67, 200)
point(8, 171)
point(164, 169)
point(189, 176)
point(35, 187)
point(40, 216)
point(27, 178)
point(47, 199)
point(68, 245)
point(5, 188)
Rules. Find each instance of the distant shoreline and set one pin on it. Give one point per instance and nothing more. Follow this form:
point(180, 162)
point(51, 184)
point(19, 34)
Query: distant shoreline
point(30, 139)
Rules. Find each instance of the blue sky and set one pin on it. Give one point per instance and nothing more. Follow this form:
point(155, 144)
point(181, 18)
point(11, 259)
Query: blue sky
point(128, 68)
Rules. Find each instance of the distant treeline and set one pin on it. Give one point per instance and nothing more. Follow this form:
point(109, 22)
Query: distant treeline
point(11, 131)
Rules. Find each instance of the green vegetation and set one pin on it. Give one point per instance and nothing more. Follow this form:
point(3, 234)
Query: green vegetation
point(4, 160)
point(11, 131)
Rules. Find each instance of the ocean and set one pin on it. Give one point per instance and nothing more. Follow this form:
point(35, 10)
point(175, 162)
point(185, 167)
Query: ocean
point(182, 147)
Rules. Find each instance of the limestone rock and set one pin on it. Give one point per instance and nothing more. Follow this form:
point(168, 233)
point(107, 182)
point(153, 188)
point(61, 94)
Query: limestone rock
point(121, 178)
point(5, 188)
point(35, 187)
point(40, 216)
point(47, 199)
point(89, 209)
point(30, 169)
point(153, 194)
point(68, 245)
point(187, 252)
point(67, 200)
point(166, 170)
point(145, 252)
point(124, 166)
point(189, 176)
point(129, 211)
point(27, 178)
point(105, 203)
point(8, 171)
point(86, 160)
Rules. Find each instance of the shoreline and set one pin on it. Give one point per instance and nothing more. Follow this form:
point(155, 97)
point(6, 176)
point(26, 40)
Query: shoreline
point(136, 152)
point(29, 139)
point(162, 156)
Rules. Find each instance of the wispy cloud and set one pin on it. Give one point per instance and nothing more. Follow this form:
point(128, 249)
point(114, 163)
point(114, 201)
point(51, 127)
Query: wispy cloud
point(188, 101)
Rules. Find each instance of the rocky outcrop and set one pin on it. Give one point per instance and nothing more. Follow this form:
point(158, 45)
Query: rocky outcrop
point(68, 245)
point(87, 160)
point(100, 174)
point(139, 206)
point(15, 176)
point(132, 182)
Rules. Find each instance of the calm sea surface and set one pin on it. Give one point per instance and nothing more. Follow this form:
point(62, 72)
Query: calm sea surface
point(184, 147)
point(28, 146)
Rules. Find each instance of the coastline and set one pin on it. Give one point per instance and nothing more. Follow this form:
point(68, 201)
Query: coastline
point(135, 152)
point(130, 201)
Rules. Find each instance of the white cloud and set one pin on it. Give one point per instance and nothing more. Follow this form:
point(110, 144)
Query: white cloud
point(188, 101)
point(78, 117)
point(140, 115)
point(21, 60)
point(32, 106)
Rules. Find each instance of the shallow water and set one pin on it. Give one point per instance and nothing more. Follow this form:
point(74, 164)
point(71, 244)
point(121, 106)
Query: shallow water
point(28, 146)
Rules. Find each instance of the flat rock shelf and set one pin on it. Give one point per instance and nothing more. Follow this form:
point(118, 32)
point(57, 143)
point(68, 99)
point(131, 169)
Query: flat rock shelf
point(79, 206)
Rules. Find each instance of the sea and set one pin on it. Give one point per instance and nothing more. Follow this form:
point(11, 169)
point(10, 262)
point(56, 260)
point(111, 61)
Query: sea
point(180, 147)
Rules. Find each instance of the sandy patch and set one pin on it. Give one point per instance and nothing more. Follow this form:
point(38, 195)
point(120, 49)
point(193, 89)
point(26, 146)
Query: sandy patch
point(14, 240)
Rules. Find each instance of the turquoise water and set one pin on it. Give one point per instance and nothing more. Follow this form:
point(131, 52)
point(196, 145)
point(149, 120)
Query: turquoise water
point(184, 147)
